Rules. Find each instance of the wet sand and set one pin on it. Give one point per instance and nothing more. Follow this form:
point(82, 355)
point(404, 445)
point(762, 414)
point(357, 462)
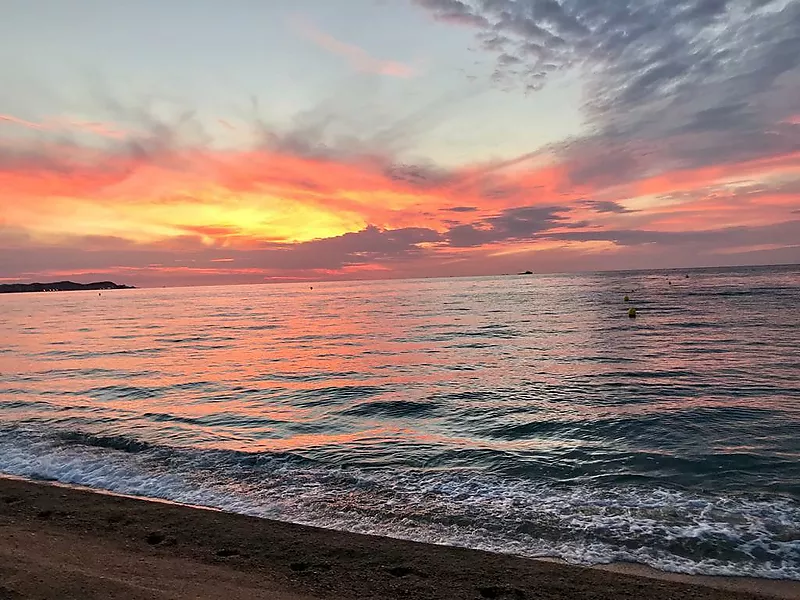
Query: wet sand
point(59, 542)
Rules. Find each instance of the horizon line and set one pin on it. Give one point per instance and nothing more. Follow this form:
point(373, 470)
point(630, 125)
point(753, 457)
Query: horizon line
point(357, 280)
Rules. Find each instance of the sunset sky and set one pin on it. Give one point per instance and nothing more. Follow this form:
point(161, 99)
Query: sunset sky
point(200, 141)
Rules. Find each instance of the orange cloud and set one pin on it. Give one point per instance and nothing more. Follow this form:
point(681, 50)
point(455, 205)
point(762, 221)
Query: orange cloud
point(688, 179)
point(189, 201)
point(359, 58)
point(280, 197)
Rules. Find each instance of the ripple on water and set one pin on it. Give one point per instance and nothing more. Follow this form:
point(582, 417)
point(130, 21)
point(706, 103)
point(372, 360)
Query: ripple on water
point(523, 415)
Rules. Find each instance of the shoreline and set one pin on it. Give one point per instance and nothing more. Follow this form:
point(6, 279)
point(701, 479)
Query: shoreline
point(61, 541)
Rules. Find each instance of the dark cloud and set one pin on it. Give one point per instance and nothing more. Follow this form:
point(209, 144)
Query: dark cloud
point(718, 118)
point(419, 175)
point(513, 224)
point(371, 245)
point(606, 206)
point(494, 43)
point(697, 82)
point(469, 236)
point(196, 261)
point(508, 60)
point(461, 209)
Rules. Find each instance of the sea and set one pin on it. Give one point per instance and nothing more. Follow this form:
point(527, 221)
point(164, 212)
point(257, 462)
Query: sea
point(527, 415)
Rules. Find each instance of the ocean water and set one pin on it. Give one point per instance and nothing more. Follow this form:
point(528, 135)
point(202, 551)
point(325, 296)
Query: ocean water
point(522, 414)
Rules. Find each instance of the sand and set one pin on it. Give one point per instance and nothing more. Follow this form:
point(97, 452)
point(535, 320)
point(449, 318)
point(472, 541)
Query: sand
point(59, 542)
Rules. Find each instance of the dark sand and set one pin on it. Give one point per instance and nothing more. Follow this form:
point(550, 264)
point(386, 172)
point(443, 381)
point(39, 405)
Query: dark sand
point(58, 542)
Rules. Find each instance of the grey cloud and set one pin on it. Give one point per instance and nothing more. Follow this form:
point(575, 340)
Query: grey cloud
point(494, 42)
point(527, 220)
point(576, 224)
point(454, 11)
point(468, 236)
point(128, 262)
point(494, 191)
point(711, 79)
point(512, 224)
point(372, 244)
point(347, 126)
point(505, 60)
point(368, 246)
point(422, 176)
point(13, 237)
point(462, 209)
point(606, 206)
point(718, 118)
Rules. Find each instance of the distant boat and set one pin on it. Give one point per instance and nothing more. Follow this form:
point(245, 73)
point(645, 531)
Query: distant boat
point(526, 273)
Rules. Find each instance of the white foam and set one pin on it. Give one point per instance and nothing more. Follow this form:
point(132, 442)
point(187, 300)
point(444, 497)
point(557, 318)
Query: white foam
point(584, 525)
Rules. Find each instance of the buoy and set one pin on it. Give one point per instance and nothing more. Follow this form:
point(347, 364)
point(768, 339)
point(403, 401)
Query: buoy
point(632, 313)
point(626, 299)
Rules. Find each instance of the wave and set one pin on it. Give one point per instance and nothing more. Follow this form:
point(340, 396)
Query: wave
point(113, 442)
point(586, 522)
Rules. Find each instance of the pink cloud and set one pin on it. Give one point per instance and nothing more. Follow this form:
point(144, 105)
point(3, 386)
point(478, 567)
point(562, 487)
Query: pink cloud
point(23, 123)
point(359, 58)
point(95, 127)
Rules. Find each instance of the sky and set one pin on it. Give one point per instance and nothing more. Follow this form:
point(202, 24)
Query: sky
point(208, 142)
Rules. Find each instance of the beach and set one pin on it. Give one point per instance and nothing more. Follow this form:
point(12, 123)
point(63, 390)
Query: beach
point(412, 299)
point(61, 542)
point(525, 417)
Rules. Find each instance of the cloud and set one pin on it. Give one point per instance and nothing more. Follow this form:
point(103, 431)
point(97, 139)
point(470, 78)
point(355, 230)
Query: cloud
point(337, 194)
point(22, 122)
point(513, 224)
point(215, 231)
point(66, 124)
point(462, 209)
point(454, 11)
point(606, 206)
point(690, 151)
point(371, 246)
point(780, 235)
point(667, 84)
point(359, 58)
